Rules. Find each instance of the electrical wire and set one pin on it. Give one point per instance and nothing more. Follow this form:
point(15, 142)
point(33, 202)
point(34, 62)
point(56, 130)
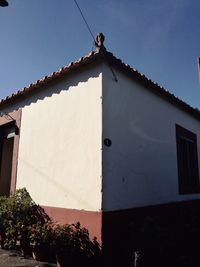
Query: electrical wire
point(90, 31)
point(198, 66)
point(87, 25)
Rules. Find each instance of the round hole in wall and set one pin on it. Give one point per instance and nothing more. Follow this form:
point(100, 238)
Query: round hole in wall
point(107, 142)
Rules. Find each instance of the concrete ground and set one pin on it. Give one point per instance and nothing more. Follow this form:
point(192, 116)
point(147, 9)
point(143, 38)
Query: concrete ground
point(13, 259)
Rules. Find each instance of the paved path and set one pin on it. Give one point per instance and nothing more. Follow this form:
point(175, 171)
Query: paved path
point(13, 259)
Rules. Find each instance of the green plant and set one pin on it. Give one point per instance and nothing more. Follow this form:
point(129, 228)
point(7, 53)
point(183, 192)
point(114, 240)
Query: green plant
point(62, 237)
point(25, 225)
point(41, 238)
point(19, 213)
point(3, 212)
point(16, 216)
point(80, 240)
point(41, 233)
point(73, 245)
point(85, 251)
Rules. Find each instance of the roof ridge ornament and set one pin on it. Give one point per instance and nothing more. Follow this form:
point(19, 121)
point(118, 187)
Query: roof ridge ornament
point(99, 42)
point(3, 3)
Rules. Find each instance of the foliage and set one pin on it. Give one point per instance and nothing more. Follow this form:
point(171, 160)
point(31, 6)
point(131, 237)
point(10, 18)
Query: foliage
point(73, 242)
point(18, 213)
point(3, 212)
point(41, 233)
point(81, 243)
point(25, 223)
point(62, 237)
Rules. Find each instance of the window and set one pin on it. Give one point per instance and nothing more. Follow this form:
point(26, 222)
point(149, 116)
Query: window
point(188, 172)
point(7, 133)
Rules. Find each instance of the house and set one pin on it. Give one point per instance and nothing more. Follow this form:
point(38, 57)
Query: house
point(97, 140)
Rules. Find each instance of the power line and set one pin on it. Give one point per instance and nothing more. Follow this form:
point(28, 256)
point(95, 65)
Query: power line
point(198, 65)
point(96, 42)
point(87, 25)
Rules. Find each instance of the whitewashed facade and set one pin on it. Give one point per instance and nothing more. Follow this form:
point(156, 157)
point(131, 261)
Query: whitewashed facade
point(140, 167)
point(88, 144)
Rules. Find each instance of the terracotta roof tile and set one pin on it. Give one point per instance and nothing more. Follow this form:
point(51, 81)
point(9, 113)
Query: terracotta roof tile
point(115, 63)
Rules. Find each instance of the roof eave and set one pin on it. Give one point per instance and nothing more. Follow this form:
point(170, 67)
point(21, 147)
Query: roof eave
point(110, 59)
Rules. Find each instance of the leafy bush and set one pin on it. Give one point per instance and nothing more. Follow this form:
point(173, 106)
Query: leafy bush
point(24, 223)
point(41, 233)
point(18, 213)
point(73, 245)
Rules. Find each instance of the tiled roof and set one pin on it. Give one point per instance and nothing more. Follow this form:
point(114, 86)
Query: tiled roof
point(34, 87)
point(113, 62)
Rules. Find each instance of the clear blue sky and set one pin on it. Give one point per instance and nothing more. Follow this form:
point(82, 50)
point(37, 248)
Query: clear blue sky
point(159, 38)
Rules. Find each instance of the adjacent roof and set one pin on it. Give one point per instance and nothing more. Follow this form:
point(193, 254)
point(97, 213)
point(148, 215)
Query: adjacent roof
point(103, 55)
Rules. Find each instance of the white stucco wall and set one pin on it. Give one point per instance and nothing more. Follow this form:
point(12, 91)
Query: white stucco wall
point(140, 168)
point(60, 143)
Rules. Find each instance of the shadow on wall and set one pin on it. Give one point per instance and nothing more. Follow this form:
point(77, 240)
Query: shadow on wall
point(52, 87)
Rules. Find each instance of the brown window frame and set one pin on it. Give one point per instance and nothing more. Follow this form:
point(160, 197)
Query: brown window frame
point(13, 118)
point(187, 161)
point(3, 136)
